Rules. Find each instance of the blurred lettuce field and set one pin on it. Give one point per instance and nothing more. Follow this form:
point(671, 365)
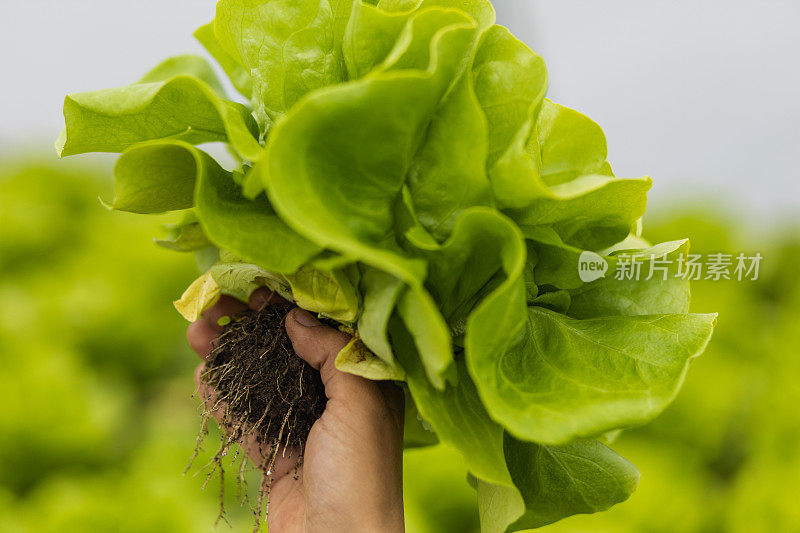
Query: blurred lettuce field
point(97, 419)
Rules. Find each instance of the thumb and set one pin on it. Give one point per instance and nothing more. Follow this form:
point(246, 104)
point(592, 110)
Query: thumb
point(319, 345)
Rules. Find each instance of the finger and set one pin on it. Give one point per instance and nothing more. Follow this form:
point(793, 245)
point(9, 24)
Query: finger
point(225, 306)
point(395, 401)
point(279, 462)
point(318, 345)
point(263, 297)
point(201, 335)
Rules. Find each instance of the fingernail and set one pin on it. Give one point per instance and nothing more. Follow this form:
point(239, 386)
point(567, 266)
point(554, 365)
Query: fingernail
point(304, 318)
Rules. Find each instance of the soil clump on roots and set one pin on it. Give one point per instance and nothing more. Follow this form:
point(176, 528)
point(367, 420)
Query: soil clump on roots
point(264, 395)
point(263, 384)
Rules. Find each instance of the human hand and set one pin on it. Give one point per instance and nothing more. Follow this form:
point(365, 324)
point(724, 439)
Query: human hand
point(350, 478)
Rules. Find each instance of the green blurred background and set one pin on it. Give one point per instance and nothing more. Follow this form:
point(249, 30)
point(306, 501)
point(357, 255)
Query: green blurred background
point(98, 420)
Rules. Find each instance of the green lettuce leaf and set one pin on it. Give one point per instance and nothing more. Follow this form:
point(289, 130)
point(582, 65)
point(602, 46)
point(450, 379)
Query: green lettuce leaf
point(447, 175)
point(289, 48)
point(510, 83)
point(558, 301)
point(267, 242)
point(330, 292)
point(341, 196)
point(554, 482)
point(181, 108)
point(186, 236)
point(185, 65)
point(430, 333)
point(651, 294)
point(159, 177)
point(240, 78)
point(552, 378)
point(417, 432)
point(569, 144)
point(558, 264)
point(591, 212)
point(373, 31)
point(456, 413)
point(371, 34)
point(380, 292)
point(240, 279)
point(484, 244)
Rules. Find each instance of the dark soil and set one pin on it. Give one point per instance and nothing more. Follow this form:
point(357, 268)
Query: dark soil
point(263, 386)
point(264, 391)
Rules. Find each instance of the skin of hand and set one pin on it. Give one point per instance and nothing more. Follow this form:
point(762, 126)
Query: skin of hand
point(350, 479)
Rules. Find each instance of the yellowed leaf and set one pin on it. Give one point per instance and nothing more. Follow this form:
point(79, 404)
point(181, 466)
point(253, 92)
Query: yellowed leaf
point(356, 358)
point(200, 295)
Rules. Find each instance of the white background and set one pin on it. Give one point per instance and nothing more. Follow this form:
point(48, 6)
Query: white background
point(700, 94)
